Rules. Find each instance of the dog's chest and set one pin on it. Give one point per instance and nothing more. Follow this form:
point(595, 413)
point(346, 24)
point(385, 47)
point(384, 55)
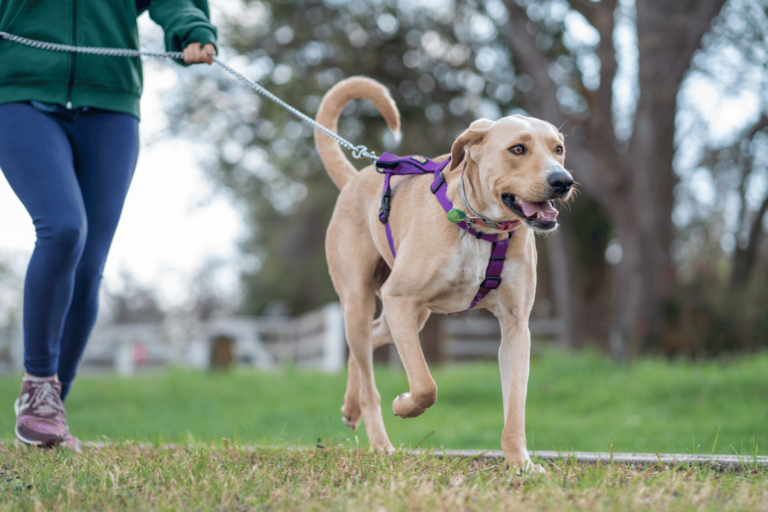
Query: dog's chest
point(462, 275)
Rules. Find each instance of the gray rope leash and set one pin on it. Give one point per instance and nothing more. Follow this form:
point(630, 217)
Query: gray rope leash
point(357, 151)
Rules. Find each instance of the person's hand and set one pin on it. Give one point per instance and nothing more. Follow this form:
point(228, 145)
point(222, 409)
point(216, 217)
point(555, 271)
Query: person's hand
point(193, 53)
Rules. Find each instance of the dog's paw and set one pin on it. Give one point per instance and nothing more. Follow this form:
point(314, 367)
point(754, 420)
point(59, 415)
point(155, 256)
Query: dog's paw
point(351, 420)
point(528, 468)
point(405, 406)
point(382, 444)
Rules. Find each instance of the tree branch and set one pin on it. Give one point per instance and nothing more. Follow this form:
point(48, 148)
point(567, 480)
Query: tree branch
point(683, 23)
point(594, 12)
point(600, 122)
point(532, 62)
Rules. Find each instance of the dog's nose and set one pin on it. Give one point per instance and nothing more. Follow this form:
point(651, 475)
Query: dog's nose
point(560, 182)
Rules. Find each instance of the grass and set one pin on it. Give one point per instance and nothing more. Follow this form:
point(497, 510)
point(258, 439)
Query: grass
point(301, 457)
point(223, 476)
point(576, 401)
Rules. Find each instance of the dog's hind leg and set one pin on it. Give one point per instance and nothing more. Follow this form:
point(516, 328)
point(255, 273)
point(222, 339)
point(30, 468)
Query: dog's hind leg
point(357, 316)
point(405, 321)
point(351, 413)
point(381, 333)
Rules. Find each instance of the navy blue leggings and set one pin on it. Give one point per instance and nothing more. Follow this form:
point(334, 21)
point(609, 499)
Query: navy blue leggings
point(71, 169)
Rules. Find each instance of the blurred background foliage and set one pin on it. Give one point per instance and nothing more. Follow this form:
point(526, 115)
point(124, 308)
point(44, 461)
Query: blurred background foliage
point(664, 249)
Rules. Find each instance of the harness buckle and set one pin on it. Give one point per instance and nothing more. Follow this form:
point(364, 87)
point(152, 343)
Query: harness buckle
point(382, 164)
point(434, 187)
point(386, 199)
point(496, 281)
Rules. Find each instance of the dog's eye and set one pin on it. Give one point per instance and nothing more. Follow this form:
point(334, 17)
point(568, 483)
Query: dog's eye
point(559, 150)
point(518, 150)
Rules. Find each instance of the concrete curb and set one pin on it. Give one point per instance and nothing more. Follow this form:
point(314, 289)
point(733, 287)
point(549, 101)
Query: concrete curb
point(736, 462)
point(631, 459)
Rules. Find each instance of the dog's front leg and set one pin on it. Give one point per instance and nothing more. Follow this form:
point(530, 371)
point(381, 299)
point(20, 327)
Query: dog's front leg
point(405, 319)
point(514, 359)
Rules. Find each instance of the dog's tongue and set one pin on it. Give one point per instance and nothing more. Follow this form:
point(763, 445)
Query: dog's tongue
point(545, 210)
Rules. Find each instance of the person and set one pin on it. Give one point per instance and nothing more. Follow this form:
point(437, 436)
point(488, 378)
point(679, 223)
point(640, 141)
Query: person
point(68, 148)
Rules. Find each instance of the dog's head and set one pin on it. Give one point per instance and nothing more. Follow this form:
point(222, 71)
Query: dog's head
point(517, 165)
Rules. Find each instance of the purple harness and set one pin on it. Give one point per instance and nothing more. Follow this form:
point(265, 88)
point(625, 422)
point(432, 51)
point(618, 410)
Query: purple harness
point(389, 164)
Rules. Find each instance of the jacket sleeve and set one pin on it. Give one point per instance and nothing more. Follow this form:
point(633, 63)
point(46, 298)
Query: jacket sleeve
point(184, 22)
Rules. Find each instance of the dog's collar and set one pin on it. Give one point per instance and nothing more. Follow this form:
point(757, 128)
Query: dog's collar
point(476, 218)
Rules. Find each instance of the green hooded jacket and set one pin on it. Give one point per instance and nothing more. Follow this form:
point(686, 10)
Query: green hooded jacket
point(79, 80)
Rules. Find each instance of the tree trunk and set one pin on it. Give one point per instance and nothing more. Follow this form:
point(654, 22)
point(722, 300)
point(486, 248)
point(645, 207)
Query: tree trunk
point(668, 35)
point(562, 295)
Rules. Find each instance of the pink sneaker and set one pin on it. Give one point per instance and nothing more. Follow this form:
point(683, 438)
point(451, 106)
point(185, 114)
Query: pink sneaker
point(41, 416)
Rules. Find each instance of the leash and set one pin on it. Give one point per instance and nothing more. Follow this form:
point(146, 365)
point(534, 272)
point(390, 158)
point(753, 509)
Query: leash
point(357, 151)
point(387, 164)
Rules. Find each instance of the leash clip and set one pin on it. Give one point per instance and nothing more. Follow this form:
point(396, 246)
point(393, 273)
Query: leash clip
point(362, 151)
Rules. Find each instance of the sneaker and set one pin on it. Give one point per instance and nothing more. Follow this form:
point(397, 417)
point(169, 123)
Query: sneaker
point(41, 416)
point(71, 441)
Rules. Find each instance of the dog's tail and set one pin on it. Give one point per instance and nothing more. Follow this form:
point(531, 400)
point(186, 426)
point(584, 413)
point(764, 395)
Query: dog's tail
point(336, 163)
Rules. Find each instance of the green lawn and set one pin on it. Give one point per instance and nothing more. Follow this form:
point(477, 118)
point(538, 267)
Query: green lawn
point(225, 477)
point(576, 401)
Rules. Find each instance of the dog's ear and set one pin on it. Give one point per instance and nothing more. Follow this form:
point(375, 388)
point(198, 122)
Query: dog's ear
point(472, 135)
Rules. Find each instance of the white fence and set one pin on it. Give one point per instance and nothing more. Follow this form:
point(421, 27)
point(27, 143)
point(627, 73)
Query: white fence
point(474, 337)
point(314, 340)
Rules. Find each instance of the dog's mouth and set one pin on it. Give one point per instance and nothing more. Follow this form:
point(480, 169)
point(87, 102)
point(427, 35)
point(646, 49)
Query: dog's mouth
point(541, 216)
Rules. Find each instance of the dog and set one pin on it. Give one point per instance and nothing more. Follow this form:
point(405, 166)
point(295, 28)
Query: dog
point(511, 170)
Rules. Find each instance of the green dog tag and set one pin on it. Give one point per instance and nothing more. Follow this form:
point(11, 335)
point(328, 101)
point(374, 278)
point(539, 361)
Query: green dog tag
point(455, 215)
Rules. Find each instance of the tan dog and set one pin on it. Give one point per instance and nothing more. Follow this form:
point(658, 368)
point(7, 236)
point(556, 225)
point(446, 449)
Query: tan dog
point(513, 169)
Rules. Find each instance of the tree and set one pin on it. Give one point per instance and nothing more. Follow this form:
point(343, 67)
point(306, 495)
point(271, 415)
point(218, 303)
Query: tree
point(721, 202)
point(555, 59)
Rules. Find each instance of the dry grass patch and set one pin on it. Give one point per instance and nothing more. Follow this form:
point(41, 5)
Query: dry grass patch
point(227, 477)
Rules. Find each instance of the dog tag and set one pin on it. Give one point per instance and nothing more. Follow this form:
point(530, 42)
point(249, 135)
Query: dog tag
point(455, 215)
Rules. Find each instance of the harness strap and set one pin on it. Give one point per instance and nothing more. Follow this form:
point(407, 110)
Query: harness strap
point(492, 272)
point(389, 164)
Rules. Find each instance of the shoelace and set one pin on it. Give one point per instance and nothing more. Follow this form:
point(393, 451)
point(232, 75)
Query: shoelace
point(46, 401)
